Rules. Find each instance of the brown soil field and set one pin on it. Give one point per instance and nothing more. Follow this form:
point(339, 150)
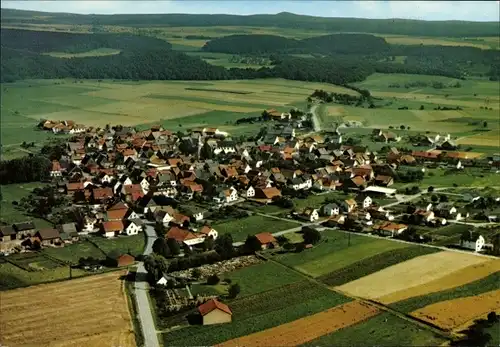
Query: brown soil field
point(455, 279)
point(308, 328)
point(411, 273)
point(454, 313)
point(90, 311)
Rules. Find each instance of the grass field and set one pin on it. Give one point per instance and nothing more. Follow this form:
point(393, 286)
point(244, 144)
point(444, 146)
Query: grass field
point(85, 312)
point(414, 272)
point(334, 253)
point(259, 312)
point(371, 264)
point(9, 213)
point(241, 228)
point(382, 330)
point(100, 52)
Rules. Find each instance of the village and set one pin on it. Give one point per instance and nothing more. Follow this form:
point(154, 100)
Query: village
point(118, 182)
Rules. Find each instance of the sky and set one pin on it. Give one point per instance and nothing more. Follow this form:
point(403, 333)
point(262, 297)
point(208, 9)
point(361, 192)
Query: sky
point(426, 10)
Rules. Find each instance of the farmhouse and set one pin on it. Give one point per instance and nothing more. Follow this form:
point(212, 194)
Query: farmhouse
point(48, 236)
point(7, 233)
point(267, 240)
point(472, 240)
point(390, 229)
point(215, 312)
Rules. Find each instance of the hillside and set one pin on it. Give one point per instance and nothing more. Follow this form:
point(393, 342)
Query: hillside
point(280, 20)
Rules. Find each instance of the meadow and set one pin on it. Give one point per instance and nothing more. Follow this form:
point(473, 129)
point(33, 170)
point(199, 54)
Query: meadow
point(9, 213)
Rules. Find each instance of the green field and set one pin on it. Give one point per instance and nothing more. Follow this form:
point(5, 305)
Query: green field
point(483, 285)
point(259, 312)
point(333, 252)
point(241, 228)
point(381, 330)
point(9, 213)
point(372, 263)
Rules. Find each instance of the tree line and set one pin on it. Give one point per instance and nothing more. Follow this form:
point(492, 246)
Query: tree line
point(23, 170)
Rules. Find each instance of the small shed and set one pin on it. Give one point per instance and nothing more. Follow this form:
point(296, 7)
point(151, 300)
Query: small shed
point(215, 312)
point(124, 260)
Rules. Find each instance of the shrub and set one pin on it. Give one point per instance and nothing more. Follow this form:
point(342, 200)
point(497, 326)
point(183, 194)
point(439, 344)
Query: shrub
point(234, 290)
point(213, 280)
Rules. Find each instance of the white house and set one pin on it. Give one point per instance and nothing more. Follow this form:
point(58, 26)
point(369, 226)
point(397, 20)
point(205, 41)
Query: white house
point(162, 281)
point(131, 215)
point(133, 227)
point(365, 201)
point(310, 214)
point(144, 185)
point(231, 195)
point(107, 178)
point(331, 210)
point(77, 128)
point(209, 231)
point(249, 192)
point(472, 240)
point(89, 225)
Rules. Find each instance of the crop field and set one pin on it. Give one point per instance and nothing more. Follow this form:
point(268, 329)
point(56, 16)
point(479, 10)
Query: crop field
point(89, 311)
point(100, 52)
point(410, 273)
point(9, 213)
point(308, 328)
point(334, 253)
point(259, 312)
point(382, 330)
point(451, 314)
point(241, 228)
point(489, 138)
point(371, 264)
point(451, 280)
point(413, 40)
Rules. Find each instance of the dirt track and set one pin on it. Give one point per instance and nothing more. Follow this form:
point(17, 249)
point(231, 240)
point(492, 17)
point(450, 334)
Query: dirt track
point(454, 313)
point(415, 272)
point(308, 328)
point(90, 311)
point(451, 280)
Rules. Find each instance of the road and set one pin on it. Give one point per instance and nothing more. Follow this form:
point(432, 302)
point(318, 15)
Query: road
point(142, 296)
point(314, 118)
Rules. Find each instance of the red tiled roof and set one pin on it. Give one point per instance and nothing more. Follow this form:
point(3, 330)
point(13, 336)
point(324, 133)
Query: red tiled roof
point(205, 230)
point(358, 180)
point(74, 186)
point(179, 234)
point(113, 226)
point(102, 193)
point(133, 188)
point(265, 238)
point(116, 214)
point(118, 206)
point(211, 305)
point(56, 166)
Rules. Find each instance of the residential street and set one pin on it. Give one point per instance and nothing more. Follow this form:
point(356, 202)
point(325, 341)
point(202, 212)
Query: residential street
point(141, 295)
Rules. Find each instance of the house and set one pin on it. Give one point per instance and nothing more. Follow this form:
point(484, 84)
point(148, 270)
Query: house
point(335, 220)
point(56, 170)
point(89, 225)
point(472, 240)
point(214, 312)
point(68, 232)
point(48, 236)
point(330, 209)
point(124, 260)
point(230, 195)
point(364, 200)
point(196, 213)
point(448, 145)
point(7, 233)
point(309, 214)
point(208, 231)
point(24, 229)
point(102, 194)
point(425, 216)
point(267, 193)
point(383, 180)
point(390, 229)
point(133, 227)
point(184, 236)
point(446, 210)
point(267, 240)
point(348, 205)
point(112, 228)
point(249, 192)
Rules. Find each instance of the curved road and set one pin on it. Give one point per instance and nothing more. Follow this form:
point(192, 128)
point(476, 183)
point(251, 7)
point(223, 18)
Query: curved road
point(142, 296)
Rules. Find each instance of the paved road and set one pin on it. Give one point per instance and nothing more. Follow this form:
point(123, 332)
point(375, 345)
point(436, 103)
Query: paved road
point(314, 118)
point(142, 296)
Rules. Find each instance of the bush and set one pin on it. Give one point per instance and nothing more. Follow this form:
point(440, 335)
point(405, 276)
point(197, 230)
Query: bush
point(234, 290)
point(213, 280)
point(196, 273)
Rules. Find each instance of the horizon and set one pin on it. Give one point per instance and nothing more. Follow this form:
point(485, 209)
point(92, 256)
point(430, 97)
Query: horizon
point(480, 11)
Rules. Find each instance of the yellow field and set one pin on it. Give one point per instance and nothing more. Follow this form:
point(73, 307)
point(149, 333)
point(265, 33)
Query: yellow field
point(91, 311)
point(451, 314)
point(308, 328)
point(451, 280)
point(412, 273)
point(490, 138)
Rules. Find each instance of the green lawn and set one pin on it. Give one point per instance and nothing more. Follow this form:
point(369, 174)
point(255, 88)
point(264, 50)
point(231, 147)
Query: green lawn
point(369, 264)
point(259, 312)
point(316, 201)
point(241, 228)
point(333, 252)
point(382, 330)
point(72, 253)
point(9, 213)
point(123, 244)
point(483, 285)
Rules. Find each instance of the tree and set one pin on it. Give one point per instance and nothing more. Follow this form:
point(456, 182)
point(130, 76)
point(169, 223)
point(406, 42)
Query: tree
point(213, 280)
point(160, 247)
point(430, 189)
point(421, 107)
point(485, 124)
point(402, 127)
point(252, 244)
point(208, 243)
point(299, 247)
point(196, 273)
point(173, 246)
point(492, 317)
point(443, 198)
point(434, 198)
point(224, 246)
point(311, 235)
point(234, 290)
point(289, 246)
point(187, 250)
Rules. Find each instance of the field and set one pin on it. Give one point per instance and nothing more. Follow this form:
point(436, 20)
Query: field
point(334, 253)
point(259, 312)
point(451, 314)
point(14, 192)
point(100, 52)
point(241, 228)
point(90, 311)
point(414, 272)
point(381, 330)
point(308, 328)
point(452, 280)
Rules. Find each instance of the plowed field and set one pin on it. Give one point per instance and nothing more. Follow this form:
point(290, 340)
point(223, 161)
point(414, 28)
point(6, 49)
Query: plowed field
point(411, 273)
point(455, 279)
point(308, 328)
point(454, 313)
point(91, 311)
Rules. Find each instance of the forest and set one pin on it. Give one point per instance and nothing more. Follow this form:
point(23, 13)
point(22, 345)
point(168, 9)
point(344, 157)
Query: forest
point(280, 20)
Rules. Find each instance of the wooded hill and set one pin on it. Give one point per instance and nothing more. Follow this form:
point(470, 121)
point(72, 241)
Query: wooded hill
point(280, 20)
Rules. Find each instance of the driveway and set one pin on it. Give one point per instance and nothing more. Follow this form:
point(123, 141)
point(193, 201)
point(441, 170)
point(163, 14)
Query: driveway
point(142, 296)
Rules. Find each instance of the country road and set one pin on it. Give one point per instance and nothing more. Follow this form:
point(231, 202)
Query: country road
point(314, 118)
point(142, 297)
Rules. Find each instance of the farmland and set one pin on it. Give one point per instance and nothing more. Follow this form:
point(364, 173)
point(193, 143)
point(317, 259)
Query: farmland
point(308, 328)
point(259, 312)
point(241, 228)
point(88, 311)
point(9, 213)
point(450, 314)
point(381, 330)
point(416, 271)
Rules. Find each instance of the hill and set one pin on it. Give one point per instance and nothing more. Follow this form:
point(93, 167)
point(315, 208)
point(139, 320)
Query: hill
point(280, 20)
